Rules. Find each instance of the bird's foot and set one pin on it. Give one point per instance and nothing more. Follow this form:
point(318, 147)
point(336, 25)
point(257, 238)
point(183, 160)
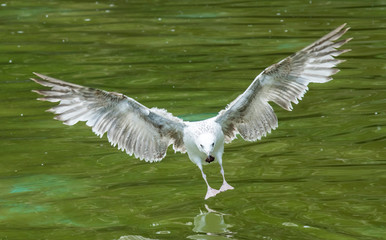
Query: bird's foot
point(225, 186)
point(211, 193)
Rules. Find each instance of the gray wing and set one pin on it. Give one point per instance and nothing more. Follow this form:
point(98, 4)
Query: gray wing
point(141, 131)
point(250, 114)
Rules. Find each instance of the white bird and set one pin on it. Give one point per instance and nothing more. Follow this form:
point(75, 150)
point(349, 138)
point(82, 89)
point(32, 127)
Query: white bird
point(147, 132)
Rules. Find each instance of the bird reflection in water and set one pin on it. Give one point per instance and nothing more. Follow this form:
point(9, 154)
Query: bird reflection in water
point(211, 223)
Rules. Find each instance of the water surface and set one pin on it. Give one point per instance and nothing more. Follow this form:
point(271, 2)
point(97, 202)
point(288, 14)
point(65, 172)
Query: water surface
point(320, 175)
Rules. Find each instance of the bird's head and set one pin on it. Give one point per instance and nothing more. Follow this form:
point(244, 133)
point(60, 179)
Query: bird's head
point(206, 143)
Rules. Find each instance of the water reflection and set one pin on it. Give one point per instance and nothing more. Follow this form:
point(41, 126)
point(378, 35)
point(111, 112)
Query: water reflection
point(211, 225)
point(134, 237)
point(208, 225)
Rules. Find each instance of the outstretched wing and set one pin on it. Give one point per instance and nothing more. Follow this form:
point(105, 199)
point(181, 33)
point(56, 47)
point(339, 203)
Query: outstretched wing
point(141, 131)
point(252, 117)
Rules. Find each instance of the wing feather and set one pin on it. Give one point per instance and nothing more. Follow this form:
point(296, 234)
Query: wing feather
point(283, 83)
point(129, 125)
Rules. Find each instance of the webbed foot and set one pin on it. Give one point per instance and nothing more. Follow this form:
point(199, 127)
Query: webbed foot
point(211, 193)
point(225, 186)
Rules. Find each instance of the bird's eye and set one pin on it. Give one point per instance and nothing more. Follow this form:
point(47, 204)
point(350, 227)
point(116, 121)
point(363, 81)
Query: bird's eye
point(212, 144)
point(201, 146)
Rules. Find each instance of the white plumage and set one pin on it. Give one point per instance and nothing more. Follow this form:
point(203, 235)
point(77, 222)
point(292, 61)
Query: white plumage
point(147, 133)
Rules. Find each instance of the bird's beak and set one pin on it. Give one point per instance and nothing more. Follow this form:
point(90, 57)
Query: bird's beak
point(209, 159)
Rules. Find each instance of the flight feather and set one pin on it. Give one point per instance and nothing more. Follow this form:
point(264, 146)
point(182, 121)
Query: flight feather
point(283, 83)
point(131, 126)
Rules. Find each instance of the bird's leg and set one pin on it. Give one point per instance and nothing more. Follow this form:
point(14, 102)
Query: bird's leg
point(225, 186)
point(211, 191)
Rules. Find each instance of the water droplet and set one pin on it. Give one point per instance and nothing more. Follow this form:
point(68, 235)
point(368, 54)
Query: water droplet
point(289, 224)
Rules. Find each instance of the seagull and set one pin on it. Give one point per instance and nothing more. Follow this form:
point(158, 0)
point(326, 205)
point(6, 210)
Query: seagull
point(147, 133)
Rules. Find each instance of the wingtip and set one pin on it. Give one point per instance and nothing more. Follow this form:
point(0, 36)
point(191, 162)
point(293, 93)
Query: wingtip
point(339, 28)
point(39, 75)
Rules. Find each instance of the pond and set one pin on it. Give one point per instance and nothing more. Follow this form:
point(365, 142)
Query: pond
point(320, 175)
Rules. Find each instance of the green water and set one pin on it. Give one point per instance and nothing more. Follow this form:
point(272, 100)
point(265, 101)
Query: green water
point(320, 175)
